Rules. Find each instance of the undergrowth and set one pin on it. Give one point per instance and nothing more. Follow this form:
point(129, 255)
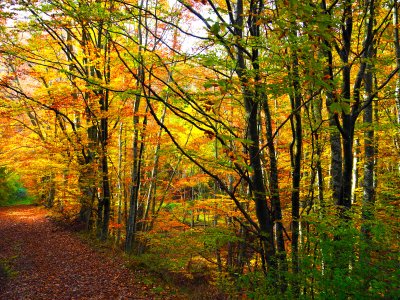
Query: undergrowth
point(7, 270)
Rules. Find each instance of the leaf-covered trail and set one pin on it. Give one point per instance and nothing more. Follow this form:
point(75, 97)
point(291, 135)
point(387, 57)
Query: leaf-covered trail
point(50, 263)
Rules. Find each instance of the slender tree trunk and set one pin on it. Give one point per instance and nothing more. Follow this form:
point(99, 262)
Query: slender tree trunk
point(86, 174)
point(52, 191)
point(295, 154)
point(348, 117)
point(273, 182)
point(136, 149)
point(336, 159)
point(317, 120)
point(396, 24)
point(104, 106)
point(274, 187)
point(334, 134)
point(150, 202)
point(356, 173)
point(347, 178)
point(262, 211)
point(257, 181)
point(119, 181)
point(134, 191)
point(369, 147)
point(106, 196)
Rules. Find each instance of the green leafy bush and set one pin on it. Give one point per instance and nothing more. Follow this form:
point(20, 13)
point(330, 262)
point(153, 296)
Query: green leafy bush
point(12, 190)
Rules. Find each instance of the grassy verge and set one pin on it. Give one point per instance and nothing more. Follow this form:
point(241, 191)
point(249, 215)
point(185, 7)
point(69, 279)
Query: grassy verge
point(23, 201)
point(6, 269)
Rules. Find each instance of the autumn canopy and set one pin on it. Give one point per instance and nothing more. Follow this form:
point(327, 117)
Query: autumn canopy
point(256, 143)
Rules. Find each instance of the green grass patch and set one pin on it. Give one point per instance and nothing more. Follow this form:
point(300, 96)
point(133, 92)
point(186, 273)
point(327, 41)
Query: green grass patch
point(6, 269)
point(14, 202)
point(12, 190)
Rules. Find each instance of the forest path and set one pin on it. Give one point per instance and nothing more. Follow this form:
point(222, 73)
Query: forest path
point(47, 262)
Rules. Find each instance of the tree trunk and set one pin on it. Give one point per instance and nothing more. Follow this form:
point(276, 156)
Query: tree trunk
point(348, 117)
point(104, 106)
point(397, 89)
point(119, 182)
point(135, 185)
point(317, 119)
point(369, 147)
point(334, 134)
point(295, 155)
point(263, 213)
point(259, 194)
point(356, 173)
point(348, 137)
point(274, 188)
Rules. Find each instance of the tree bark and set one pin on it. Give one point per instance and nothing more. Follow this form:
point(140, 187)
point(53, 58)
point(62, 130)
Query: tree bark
point(274, 188)
point(251, 104)
point(334, 134)
point(369, 147)
point(396, 24)
point(295, 156)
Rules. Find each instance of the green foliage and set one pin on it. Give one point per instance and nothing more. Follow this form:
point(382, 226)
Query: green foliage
point(187, 252)
point(338, 107)
point(214, 238)
point(12, 192)
point(6, 268)
point(168, 253)
point(340, 262)
point(337, 260)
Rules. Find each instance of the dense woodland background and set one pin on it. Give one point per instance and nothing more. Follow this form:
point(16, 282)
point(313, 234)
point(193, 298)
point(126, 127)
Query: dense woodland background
point(250, 144)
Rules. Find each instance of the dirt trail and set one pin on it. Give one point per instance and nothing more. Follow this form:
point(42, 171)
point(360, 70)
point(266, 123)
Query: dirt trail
point(50, 263)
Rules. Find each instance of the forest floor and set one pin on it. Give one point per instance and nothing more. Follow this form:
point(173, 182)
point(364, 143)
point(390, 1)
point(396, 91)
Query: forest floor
point(41, 260)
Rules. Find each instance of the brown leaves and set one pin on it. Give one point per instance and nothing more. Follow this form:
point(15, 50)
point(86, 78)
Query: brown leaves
point(209, 134)
point(54, 264)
